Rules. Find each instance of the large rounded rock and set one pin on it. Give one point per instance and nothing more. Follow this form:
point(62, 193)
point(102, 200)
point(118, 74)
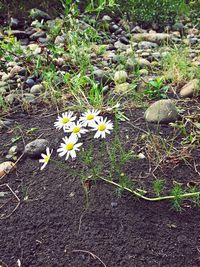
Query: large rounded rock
point(122, 88)
point(36, 147)
point(120, 77)
point(36, 89)
point(6, 167)
point(162, 111)
point(190, 88)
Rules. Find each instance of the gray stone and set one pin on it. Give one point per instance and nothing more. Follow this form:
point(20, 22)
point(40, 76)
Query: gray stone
point(155, 26)
point(114, 204)
point(59, 61)
point(120, 77)
point(36, 89)
point(18, 70)
point(5, 77)
point(181, 28)
point(152, 37)
point(122, 88)
point(60, 40)
point(36, 147)
point(18, 34)
point(11, 98)
point(5, 124)
point(146, 45)
point(176, 40)
point(12, 152)
point(3, 87)
point(124, 40)
point(105, 89)
point(3, 90)
point(142, 62)
point(193, 40)
point(137, 29)
point(38, 14)
point(143, 72)
point(133, 63)
point(106, 18)
point(30, 82)
point(101, 76)
point(14, 23)
point(36, 50)
point(162, 111)
point(29, 97)
point(190, 88)
point(11, 64)
point(156, 55)
point(44, 40)
point(118, 31)
point(24, 42)
point(119, 45)
point(113, 28)
point(37, 35)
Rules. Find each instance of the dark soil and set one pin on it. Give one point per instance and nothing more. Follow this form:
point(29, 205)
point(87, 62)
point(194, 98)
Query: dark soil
point(53, 228)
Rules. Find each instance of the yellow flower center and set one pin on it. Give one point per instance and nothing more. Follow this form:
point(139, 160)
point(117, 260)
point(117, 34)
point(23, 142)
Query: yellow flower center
point(65, 120)
point(46, 159)
point(101, 127)
point(69, 146)
point(90, 117)
point(76, 129)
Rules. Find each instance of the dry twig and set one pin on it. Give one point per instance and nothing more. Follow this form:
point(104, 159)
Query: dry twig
point(16, 197)
point(90, 253)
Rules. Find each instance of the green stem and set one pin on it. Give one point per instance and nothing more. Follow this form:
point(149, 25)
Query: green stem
point(148, 198)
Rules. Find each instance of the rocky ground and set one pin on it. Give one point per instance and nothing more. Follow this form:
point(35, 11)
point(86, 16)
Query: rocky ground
point(149, 76)
point(121, 48)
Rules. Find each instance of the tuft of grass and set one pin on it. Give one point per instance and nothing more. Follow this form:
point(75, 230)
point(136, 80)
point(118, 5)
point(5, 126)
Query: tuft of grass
point(177, 191)
point(176, 66)
point(158, 186)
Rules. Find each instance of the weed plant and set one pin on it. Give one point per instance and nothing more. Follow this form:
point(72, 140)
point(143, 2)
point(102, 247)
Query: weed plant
point(176, 66)
point(156, 89)
point(106, 161)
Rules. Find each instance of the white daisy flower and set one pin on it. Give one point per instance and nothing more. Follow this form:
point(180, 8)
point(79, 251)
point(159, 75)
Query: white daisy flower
point(89, 117)
point(103, 127)
point(45, 158)
point(76, 128)
point(69, 147)
point(64, 120)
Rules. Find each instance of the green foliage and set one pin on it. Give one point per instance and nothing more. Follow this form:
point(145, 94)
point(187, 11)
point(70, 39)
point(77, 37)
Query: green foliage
point(158, 186)
point(160, 11)
point(195, 11)
point(177, 191)
point(176, 65)
point(156, 89)
point(3, 104)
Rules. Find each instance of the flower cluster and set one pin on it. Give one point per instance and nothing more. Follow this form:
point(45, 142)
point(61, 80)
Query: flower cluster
point(88, 121)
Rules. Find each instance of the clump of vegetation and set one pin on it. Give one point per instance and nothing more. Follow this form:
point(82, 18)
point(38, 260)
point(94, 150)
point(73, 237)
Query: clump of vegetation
point(156, 89)
point(154, 10)
point(176, 65)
